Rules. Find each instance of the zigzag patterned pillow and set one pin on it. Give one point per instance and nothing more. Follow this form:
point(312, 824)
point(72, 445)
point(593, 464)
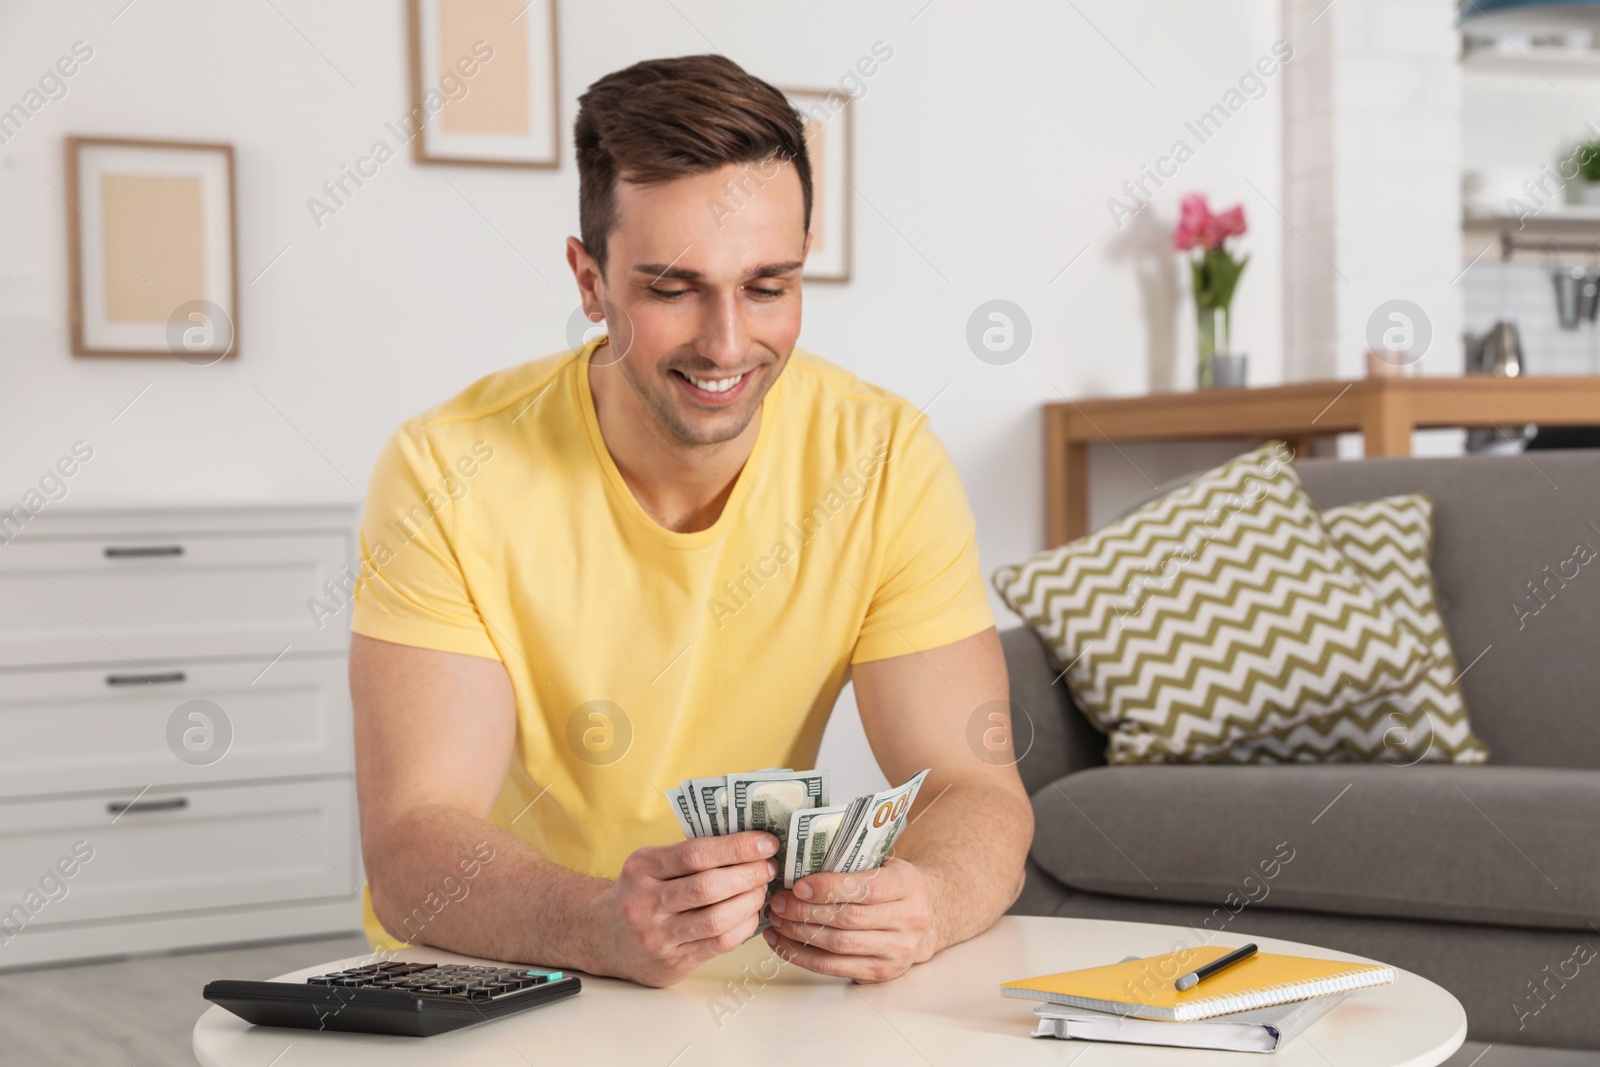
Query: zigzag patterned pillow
point(1217, 614)
point(1390, 542)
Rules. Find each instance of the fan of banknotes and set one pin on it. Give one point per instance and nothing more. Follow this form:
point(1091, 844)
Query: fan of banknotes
point(813, 836)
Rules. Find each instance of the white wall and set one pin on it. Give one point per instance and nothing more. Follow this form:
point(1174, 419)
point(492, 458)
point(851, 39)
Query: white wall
point(986, 150)
point(1373, 150)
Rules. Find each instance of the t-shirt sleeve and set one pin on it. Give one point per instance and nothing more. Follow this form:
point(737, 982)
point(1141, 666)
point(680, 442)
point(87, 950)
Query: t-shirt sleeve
point(410, 589)
point(930, 591)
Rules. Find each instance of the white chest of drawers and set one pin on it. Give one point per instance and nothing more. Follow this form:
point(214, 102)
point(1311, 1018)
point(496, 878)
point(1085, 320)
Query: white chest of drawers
point(175, 745)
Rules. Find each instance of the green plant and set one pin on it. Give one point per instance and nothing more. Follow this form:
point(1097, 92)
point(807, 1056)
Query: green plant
point(1589, 161)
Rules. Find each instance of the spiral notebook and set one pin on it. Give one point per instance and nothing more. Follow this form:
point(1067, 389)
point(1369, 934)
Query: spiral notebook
point(1261, 1030)
point(1146, 988)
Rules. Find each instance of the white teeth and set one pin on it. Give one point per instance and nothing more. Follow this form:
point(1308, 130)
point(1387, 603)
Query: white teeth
point(719, 385)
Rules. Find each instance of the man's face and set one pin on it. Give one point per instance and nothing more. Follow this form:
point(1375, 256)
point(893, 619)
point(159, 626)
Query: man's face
point(702, 295)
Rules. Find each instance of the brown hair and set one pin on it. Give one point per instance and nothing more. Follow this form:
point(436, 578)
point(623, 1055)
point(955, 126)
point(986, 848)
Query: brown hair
point(668, 118)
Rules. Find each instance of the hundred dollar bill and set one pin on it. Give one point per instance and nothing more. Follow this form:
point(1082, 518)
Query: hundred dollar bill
point(881, 823)
point(811, 834)
point(704, 804)
point(708, 797)
point(845, 832)
point(680, 808)
point(765, 800)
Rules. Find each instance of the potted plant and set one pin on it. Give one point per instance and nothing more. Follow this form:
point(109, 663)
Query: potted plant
point(1215, 270)
point(1589, 171)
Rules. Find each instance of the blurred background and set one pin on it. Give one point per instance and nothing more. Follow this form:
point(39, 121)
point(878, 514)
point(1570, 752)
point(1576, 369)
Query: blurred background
point(1025, 152)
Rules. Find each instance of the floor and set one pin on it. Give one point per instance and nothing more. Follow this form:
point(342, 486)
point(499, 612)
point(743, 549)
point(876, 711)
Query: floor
point(134, 1012)
point(1473, 1054)
point(138, 1012)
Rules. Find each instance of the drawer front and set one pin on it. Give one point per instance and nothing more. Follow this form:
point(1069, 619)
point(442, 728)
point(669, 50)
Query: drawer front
point(126, 728)
point(175, 850)
point(143, 597)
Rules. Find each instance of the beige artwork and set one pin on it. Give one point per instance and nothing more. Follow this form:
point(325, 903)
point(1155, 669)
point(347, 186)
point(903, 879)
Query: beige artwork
point(154, 234)
point(499, 95)
point(815, 142)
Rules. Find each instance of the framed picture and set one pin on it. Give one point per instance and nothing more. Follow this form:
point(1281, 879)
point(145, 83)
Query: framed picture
point(827, 122)
point(151, 248)
point(484, 82)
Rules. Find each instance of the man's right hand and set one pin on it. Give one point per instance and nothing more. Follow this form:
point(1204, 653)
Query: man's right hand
point(675, 906)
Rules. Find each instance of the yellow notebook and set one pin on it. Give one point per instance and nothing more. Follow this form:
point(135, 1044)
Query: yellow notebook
point(1147, 988)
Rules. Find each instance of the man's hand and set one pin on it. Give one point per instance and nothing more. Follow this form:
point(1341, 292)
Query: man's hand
point(870, 926)
point(675, 906)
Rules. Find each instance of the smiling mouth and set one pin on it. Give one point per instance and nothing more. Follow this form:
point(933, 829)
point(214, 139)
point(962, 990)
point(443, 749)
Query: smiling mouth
point(712, 390)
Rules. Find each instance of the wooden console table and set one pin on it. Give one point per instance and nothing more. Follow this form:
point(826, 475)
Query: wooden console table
point(1383, 410)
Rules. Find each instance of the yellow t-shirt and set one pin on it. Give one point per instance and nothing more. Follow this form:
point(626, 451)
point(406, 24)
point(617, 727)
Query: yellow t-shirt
point(498, 525)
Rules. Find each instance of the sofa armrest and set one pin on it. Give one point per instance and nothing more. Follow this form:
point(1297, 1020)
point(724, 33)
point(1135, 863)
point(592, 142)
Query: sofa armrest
point(1064, 741)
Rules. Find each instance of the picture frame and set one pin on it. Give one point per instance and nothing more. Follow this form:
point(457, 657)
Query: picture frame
point(485, 82)
point(152, 248)
point(828, 118)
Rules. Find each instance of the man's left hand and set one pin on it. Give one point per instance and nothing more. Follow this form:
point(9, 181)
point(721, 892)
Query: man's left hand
point(870, 926)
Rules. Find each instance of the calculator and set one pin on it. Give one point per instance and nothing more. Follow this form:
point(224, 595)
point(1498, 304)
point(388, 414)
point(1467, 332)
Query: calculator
point(408, 999)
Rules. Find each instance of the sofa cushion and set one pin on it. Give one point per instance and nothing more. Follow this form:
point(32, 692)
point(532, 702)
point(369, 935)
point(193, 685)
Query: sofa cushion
point(1390, 542)
point(1507, 845)
point(1216, 614)
point(1515, 550)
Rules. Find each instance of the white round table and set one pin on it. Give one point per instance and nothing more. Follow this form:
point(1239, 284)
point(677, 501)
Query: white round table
point(946, 1011)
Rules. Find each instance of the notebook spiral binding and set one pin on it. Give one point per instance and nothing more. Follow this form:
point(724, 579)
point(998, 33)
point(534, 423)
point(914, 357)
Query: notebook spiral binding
point(1282, 993)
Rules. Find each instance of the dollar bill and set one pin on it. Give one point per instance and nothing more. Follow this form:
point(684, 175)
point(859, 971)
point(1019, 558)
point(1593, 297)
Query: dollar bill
point(813, 837)
point(765, 800)
point(811, 834)
point(846, 832)
point(704, 804)
point(711, 796)
point(680, 807)
point(882, 820)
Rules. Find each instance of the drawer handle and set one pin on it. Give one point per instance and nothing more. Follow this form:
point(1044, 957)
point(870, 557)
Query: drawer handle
point(142, 551)
point(118, 807)
point(168, 678)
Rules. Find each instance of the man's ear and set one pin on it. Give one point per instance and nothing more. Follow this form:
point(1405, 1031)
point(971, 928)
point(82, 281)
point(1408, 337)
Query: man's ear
point(586, 272)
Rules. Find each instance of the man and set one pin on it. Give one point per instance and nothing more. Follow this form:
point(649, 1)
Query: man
point(661, 557)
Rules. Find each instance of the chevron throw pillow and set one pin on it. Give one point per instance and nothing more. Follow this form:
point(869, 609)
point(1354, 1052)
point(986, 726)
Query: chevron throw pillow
point(1217, 614)
point(1390, 542)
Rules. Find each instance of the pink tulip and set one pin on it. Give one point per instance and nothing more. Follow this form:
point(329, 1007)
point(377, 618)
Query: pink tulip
point(1199, 228)
point(1230, 223)
point(1194, 219)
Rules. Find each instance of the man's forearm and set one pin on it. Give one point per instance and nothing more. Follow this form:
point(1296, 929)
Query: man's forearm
point(516, 906)
point(970, 843)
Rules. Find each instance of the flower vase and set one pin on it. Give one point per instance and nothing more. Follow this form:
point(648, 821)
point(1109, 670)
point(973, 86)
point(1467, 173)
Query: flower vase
point(1212, 332)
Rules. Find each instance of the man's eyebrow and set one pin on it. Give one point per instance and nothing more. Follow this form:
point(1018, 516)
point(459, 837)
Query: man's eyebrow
point(772, 270)
point(657, 271)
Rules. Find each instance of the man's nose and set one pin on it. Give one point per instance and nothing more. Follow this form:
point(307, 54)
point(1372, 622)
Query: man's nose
point(723, 338)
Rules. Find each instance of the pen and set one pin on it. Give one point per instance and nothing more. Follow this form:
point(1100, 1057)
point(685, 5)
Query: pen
point(1200, 974)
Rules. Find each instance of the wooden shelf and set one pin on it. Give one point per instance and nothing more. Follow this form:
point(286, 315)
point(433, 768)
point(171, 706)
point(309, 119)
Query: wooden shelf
point(1533, 62)
point(1566, 217)
point(1383, 410)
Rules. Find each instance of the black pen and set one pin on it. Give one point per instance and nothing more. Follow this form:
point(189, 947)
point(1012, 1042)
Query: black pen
point(1200, 974)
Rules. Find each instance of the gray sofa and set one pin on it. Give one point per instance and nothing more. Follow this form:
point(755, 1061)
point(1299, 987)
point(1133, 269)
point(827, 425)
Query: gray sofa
point(1485, 879)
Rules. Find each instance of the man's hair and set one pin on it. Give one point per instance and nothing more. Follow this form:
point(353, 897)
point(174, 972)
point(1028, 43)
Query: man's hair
point(665, 119)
